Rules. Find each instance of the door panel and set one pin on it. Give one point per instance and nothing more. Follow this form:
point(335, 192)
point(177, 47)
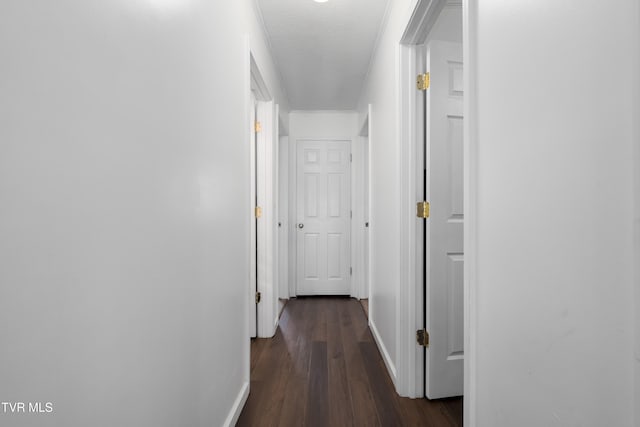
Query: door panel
point(444, 255)
point(323, 222)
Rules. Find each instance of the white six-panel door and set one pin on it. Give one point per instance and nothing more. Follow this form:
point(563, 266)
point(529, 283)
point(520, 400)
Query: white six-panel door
point(323, 217)
point(444, 249)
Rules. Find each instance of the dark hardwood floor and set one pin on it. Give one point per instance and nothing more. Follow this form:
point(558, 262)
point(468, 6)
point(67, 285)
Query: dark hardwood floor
point(365, 306)
point(323, 368)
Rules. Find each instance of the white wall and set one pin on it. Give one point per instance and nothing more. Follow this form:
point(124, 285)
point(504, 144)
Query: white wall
point(309, 125)
point(123, 279)
point(553, 286)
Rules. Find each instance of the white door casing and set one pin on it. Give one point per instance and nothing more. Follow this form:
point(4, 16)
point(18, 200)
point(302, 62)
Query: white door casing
point(253, 230)
point(445, 246)
point(283, 222)
point(267, 223)
point(323, 217)
point(365, 291)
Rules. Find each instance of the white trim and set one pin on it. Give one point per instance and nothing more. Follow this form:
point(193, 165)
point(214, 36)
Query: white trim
point(258, 84)
point(368, 217)
point(238, 405)
point(383, 351)
point(408, 287)
point(410, 356)
point(250, 136)
point(293, 218)
point(470, 60)
point(267, 257)
point(275, 219)
point(356, 222)
point(361, 143)
point(283, 216)
point(636, 192)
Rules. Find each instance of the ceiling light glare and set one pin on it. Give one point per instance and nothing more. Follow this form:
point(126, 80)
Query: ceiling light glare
point(320, 1)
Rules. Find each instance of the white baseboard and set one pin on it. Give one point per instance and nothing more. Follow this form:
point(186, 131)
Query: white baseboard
point(236, 409)
point(383, 350)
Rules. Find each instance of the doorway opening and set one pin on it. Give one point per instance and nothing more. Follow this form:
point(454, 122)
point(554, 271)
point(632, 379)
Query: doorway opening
point(325, 203)
point(263, 271)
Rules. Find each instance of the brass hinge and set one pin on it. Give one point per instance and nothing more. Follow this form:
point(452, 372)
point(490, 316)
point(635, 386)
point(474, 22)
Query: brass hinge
point(423, 209)
point(422, 337)
point(258, 126)
point(258, 297)
point(423, 81)
point(258, 211)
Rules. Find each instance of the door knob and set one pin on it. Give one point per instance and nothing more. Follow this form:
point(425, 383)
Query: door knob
point(300, 225)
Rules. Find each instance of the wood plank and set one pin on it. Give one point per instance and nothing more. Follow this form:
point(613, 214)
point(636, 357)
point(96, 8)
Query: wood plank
point(295, 401)
point(386, 404)
point(318, 394)
point(257, 347)
point(250, 415)
point(340, 405)
point(271, 376)
point(363, 405)
point(365, 306)
point(319, 325)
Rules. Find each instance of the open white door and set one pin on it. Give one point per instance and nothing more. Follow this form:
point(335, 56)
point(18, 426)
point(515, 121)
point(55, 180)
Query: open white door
point(324, 216)
point(444, 255)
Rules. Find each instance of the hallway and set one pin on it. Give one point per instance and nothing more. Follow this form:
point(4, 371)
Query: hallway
point(323, 368)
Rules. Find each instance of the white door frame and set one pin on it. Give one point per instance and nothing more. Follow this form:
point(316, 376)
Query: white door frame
point(367, 217)
point(266, 160)
point(294, 207)
point(362, 185)
point(253, 310)
point(409, 309)
point(410, 358)
point(410, 366)
point(470, 151)
point(283, 210)
point(409, 305)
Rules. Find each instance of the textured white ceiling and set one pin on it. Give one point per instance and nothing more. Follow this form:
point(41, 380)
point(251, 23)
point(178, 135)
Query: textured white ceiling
point(322, 49)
